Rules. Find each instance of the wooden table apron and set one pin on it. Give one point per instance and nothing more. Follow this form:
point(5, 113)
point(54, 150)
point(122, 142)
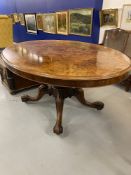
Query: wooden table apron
point(63, 68)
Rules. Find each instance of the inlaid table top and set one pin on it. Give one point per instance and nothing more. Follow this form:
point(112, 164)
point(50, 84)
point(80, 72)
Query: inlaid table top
point(63, 68)
point(67, 63)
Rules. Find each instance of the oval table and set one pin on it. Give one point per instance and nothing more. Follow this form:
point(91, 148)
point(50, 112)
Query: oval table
point(63, 68)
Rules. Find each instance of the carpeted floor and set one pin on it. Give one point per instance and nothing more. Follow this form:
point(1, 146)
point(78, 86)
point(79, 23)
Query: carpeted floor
point(93, 143)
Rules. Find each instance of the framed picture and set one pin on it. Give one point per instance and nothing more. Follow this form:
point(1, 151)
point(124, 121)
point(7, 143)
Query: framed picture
point(31, 26)
point(126, 17)
point(12, 17)
point(109, 17)
point(15, 18)
point(39, 19)
point(62, 22)
point(80, 21)
point(49, 21)
point(21, 19)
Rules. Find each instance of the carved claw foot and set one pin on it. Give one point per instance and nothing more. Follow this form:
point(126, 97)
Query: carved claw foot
point(98, 105)
point(25, 98)
point(80, 96)
point(42, 90)
point(58, 129)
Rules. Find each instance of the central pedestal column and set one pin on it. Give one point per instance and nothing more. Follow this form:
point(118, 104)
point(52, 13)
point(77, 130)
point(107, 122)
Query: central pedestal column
point(60, 93)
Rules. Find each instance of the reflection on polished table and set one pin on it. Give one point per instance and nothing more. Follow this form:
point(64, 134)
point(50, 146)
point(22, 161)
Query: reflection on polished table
point(63, 68)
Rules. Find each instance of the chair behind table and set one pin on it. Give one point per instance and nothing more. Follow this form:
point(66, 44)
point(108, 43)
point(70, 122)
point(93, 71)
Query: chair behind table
point(120, 40)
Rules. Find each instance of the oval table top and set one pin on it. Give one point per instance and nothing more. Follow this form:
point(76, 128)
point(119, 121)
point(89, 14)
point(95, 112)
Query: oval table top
point(67, 63)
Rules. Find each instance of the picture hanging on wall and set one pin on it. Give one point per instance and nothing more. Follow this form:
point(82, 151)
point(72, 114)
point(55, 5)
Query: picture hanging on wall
point(62, 22)
point(12, 17)
point(31, 26)
point(109, 17)
point(80, 21)
point(49, 21)
point(126, 17)
point(39, 19)
point(21, 19)
point(15, 18)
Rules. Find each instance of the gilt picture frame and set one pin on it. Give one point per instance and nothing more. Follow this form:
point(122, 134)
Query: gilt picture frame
point(12, 18)
point(39, 20)
point(21, 19)
point(80, 21)
point(15, 18)
point(31, 25)
point(126, 17)
point(62, 24)
point(109, 17)
point(49, 21)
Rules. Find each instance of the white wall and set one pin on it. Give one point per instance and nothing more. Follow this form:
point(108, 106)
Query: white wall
point(115, 3)
point(107, 4)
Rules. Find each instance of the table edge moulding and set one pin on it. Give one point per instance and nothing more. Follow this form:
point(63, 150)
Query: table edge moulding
point(63, 68)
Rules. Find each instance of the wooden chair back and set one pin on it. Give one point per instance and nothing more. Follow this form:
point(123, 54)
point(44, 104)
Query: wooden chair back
point(116, 39)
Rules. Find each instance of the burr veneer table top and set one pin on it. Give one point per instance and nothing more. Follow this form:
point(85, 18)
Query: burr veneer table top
point(64, 67)
point(66, 63)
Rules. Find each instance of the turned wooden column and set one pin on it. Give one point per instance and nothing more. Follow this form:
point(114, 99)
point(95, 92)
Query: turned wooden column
point(58, 129)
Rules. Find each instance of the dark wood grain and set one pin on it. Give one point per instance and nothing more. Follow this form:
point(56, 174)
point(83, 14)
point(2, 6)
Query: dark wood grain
point(67, 63)
point(80, 96)
point(14, 83)
point(64, 67)
point(60, 93)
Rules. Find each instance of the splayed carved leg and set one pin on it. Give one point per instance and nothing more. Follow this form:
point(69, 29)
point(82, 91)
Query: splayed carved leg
point(80, 96)
point(58, 129)
point(60, 93)
point(42, 90)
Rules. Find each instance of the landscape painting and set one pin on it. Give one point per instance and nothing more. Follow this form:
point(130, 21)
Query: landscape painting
point(39, 19)
point(31, 26)
point(21, 19)
point(109, 17)
point(16, 17)
point(62, 22)
point(80, 21)
point(49, 21)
